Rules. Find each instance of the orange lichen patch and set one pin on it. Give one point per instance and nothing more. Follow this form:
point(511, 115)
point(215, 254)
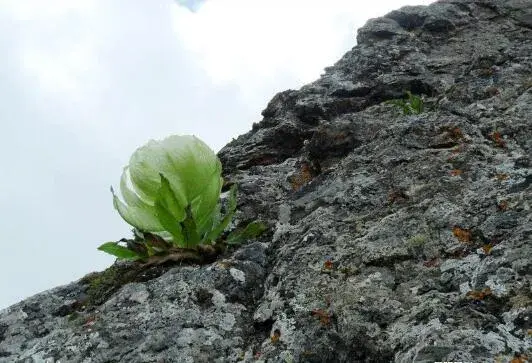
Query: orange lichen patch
point(276, 336)
point(497, 139)
point(487, 248)
point(501, 176)
point(456, 172)
point(324, 317)
point(301, 177)
point(502, 205)
point(519, 358)
point(328, 264)
point(479, 295)
point(463, 235)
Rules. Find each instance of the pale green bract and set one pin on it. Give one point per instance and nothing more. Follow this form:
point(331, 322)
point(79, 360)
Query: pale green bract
point(166, 178)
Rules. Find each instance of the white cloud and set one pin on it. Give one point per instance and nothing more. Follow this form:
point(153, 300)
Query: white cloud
point(250, 42)
point(253, 43)
point(61, 71)
point(56, 46)
point(27, 10)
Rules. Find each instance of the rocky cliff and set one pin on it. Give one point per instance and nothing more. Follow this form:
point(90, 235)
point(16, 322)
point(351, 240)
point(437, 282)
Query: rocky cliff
point(393, 236)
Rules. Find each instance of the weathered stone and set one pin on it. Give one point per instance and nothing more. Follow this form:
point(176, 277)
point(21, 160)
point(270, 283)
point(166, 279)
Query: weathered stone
point(393, 238)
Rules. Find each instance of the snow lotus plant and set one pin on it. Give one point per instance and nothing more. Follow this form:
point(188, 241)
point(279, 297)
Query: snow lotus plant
point(171, 196)
point(411, 106)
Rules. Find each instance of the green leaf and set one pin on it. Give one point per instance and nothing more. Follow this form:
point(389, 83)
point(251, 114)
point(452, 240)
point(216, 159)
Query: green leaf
point(205, 205)
point(167, 198)
point(169, 223)
point(417, 105)
point(252, 230)
point(169, 212)
point(231, 208)
point(231, 201)
point(412, 105)
point(189, 229)
point(120, 252)
point(216, 219)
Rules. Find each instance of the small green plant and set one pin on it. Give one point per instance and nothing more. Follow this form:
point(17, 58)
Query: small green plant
point(417, 240)
point(413, 105)
point(171, 190)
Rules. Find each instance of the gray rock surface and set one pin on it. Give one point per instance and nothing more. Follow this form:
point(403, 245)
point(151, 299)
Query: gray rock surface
point(392, 238)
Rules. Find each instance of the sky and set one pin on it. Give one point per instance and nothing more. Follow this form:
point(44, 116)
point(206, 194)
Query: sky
point(83, 83)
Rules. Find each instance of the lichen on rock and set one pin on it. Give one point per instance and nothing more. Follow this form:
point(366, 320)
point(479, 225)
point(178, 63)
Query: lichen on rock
point(396, 238)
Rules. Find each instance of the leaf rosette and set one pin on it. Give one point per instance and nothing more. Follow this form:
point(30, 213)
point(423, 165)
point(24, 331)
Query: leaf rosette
point(171, 189)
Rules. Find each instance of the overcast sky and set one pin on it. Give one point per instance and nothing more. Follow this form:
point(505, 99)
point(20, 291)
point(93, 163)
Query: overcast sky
point(85, 82)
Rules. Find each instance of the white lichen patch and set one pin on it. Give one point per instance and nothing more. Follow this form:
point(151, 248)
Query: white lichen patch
point(238, 275)
point(280, 230)
point(271, 303)
point(284, 214)
point(218, 299)
point(227, 322)
point(186, 337)
point(12, 316)
point(465, 287)
point(509, 339)
point(210, 337)
point(286, 326)
point(467, 266)
point(287, 356)
point(140, 296)
point(496, 286)
point(263, 312)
